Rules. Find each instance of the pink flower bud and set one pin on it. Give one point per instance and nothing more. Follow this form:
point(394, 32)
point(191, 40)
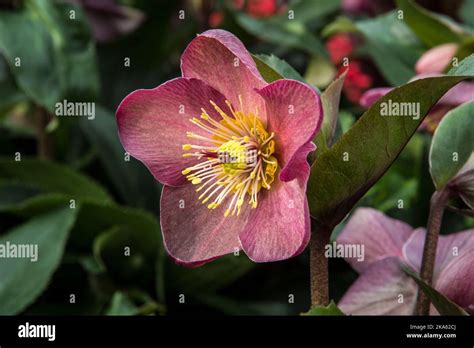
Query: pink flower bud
point(436, 59)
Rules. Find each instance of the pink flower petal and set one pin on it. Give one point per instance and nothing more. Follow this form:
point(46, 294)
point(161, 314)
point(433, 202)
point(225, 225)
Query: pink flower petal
point(370, 97)
point(381, 236)
point(219, 58)
point(450, 248)
point(153, 123)
point(453, 274)
point(380, 290)
point(456, 280)
point(462, 93)
point(194, 234)
point(459, 94)
point(463, 182)
point(279, 228)
point(294, 114)
point(412, 250)
point(436, 59)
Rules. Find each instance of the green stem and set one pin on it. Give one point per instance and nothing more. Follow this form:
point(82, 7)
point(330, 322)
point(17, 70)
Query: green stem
point(319, 264)
point(438, 203)
point(45, 148)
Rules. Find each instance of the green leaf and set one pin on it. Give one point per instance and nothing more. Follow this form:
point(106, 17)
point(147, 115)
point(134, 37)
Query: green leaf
point(320, 72)
point(96, 223)
point(466, 12)
point(431, 28)
point(268, 73)
point(121, 305)
point(21, 280)
point(127, 252)
point(8, 89)
point(57, 54)
point(14, 193)
point(130, 178)
point(342, 175)
point(443, 304)
point(392, 45)
point(283, 32)
point(400, 183)
point(273, 68)
point(330, 99)
point(124, 304)
point(309, 11)
point(464, 50)
point(330, 309)
point(210, 277)
point(465, 67)
point(35, 204)
point(280, 66)
point(452, 145)
point(51, 178)
point(393, 188)
point(111, 228)
point(346, 120)
point(134, 228)
point(339, 25)
point(97, 217)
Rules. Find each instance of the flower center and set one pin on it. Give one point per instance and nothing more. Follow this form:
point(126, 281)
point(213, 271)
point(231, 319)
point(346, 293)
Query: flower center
point(237, 163)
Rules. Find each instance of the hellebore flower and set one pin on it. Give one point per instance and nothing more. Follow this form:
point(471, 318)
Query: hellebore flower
point(382, 287)
point(231, 151)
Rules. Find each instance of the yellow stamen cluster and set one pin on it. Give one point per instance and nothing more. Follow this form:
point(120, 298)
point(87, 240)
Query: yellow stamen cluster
point(236, 161)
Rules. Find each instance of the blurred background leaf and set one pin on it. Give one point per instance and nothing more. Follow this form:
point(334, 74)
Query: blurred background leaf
point(51, 177)
point(392, 45)
point(432, 29)
point(129, 177)
point(22, 280)
point(48, 48)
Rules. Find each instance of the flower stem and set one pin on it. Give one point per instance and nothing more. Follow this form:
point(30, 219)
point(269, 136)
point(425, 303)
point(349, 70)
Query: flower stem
point(44, 142)
point(438, 203)
point(319, 264)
